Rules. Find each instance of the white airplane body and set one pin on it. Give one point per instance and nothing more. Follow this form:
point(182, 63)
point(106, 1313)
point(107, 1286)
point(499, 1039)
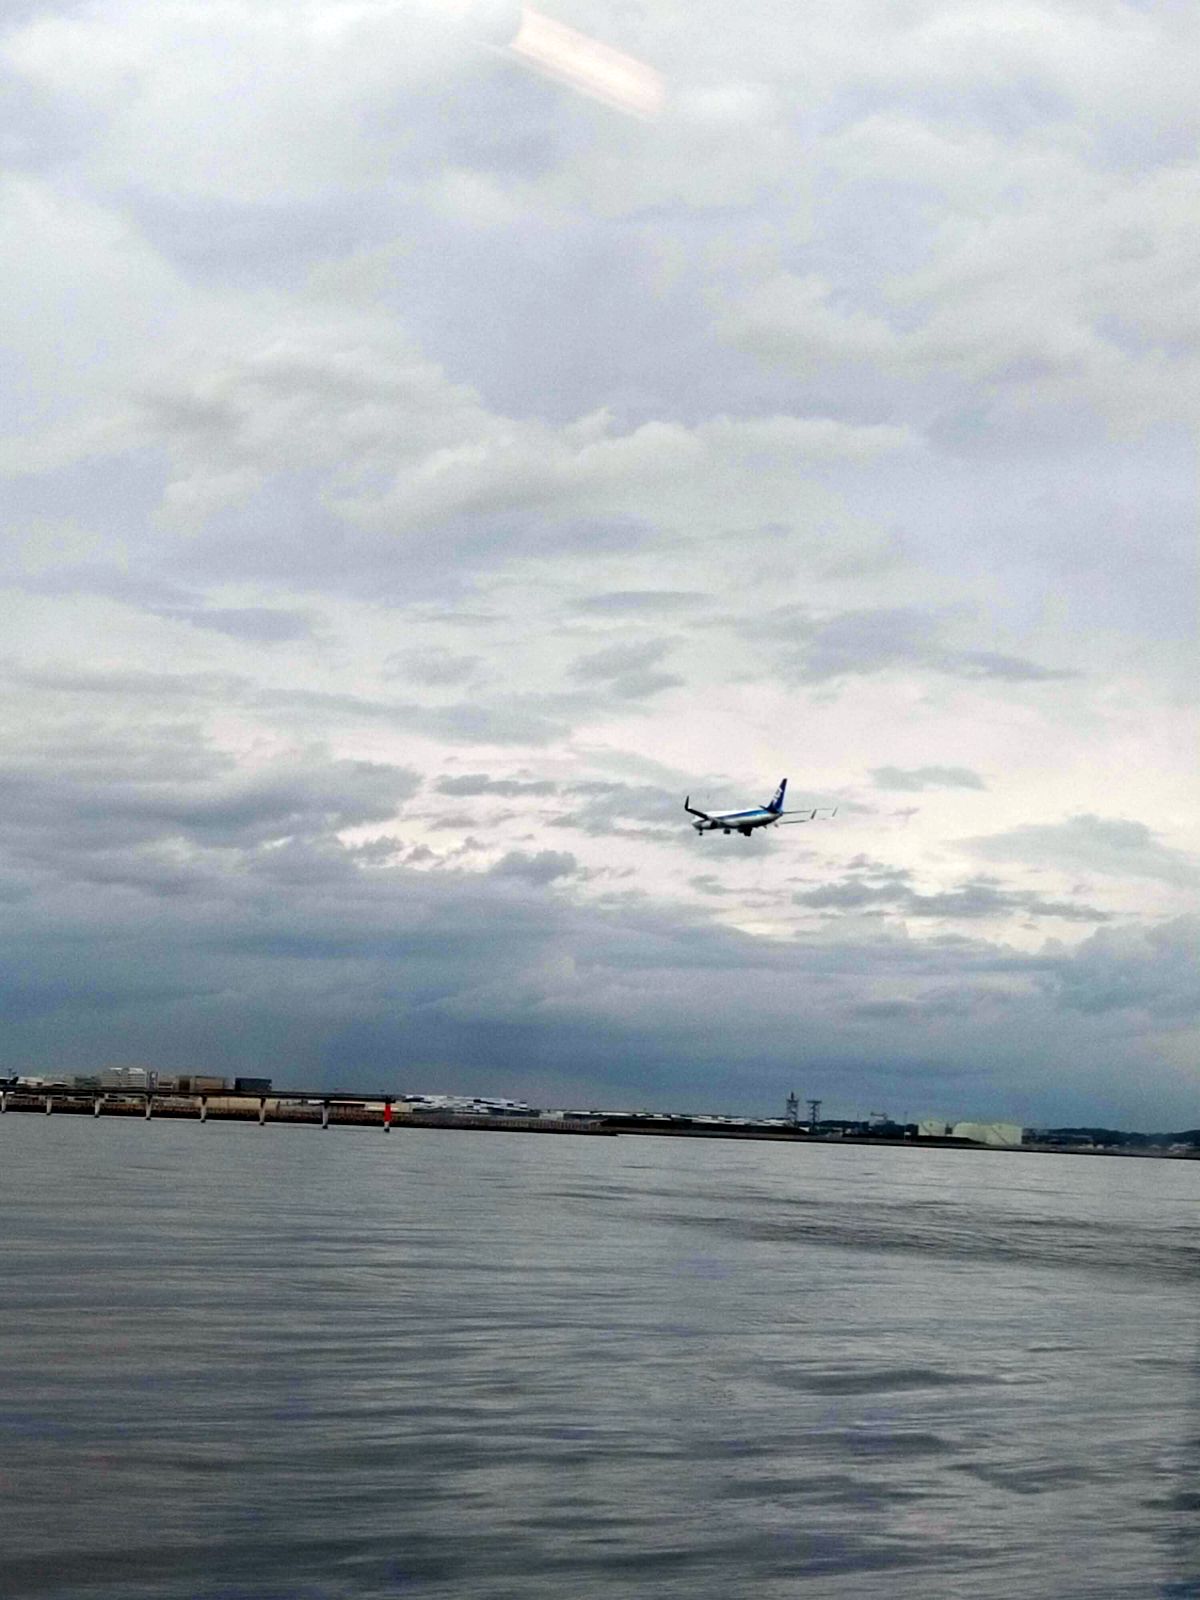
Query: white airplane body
point(745, 822)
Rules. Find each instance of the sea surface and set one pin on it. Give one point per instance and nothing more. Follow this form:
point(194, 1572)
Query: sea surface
point(287, 1364)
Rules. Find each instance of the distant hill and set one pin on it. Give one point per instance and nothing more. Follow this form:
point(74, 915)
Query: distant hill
point(1118, 1138)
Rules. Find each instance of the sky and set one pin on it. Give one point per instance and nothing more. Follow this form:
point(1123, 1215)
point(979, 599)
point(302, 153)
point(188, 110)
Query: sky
point(423, 464)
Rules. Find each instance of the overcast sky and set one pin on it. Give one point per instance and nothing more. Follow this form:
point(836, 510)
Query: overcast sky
point(419, 475)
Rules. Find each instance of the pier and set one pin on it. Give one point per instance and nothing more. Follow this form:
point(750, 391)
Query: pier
point(327, 1109)
point(315, 1108)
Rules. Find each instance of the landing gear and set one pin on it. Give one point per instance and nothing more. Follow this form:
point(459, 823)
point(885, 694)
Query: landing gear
point(726, 831)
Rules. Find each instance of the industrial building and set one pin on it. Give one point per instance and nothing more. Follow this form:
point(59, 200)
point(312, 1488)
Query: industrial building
point(1000, 1135)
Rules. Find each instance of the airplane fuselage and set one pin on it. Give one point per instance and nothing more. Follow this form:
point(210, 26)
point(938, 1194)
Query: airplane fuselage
point(745, 821)
point(736, 821)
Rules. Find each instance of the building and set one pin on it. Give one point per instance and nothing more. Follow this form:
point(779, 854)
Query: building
point(140, 1079)
point(1003, 1135)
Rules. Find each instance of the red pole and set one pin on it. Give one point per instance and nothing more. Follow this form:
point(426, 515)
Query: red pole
point(387, 1116)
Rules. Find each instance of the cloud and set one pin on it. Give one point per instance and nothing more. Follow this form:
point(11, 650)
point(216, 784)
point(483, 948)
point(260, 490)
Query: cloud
point(290, 118)
point(823, 649)
point(1111, 846)
point(254, 624)
point(436, 668)
point(477, 783)
point(706, 883)
point(978, 899)
point(131, 683)
point(613, 809)
point(628, 669)
point(618, 659)
point(786, 317)
point(1150, 970)
point(514, 720)
point(267, 922)
point(143, 590)
point(541, 868)
point(1053, 301)
point(915, 779)
point(80, 811)
point(377, 447)
point(1006, 669)
point(535, 720)
point(625, 980)
point(641, 601)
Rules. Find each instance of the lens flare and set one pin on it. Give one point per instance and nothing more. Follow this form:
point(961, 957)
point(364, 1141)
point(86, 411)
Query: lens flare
point(588, 66)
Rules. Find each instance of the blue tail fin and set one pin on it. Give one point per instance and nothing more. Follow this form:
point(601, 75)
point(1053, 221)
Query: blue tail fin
point(776, 801)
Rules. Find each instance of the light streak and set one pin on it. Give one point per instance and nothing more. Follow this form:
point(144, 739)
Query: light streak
point(588, 66)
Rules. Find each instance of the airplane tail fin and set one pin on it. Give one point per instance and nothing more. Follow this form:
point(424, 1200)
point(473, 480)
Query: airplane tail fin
point(776, 801)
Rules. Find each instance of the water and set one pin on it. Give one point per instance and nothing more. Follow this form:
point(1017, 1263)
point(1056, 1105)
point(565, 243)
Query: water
point(280, 1364)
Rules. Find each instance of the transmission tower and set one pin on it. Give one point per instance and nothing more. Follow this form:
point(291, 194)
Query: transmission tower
point(793, 1109)
point(814, 1112)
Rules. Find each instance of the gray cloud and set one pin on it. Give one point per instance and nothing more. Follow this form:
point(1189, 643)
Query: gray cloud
point(142, 589)
point(706, 883)
point(519, 720)
point(264, 921)
point(536, 719)
point(883, 869)
point(914, 779)
point(821, 649)
point(1006, 669)
point(603, 809)
point(453, 961)
point(531, 719)
point(475, 783)
point(628, 670)
point(1112, 846)
point(255, 624)
point(132, 684)
point(977, 899)
point(642, 602)
point(437, 668)
point(643, 685)
point(1150, 970)
point(88, 809)
point(540, 868)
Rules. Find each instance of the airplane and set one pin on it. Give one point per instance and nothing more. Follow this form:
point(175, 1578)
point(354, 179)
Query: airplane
point(745, 822)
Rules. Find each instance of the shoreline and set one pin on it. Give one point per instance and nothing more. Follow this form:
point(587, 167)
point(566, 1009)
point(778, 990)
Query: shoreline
point(341, 1110)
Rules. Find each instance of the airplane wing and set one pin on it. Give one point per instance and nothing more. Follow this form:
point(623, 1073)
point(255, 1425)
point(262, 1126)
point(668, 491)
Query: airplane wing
point(807, 816)
point(687, 806)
